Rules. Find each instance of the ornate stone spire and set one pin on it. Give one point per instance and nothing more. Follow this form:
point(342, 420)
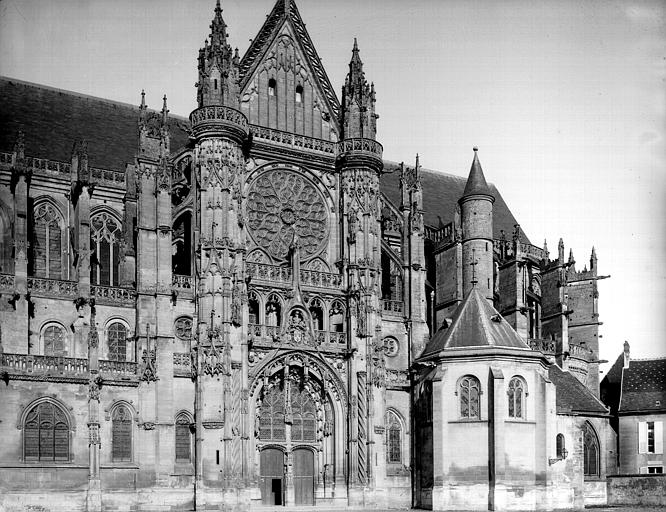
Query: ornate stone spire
point(218, 67)
point(358, 101)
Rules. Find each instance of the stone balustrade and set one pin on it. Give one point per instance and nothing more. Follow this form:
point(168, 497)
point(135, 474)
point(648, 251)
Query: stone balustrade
point(118, 367)
point(437, 235)
point(545, 346)
point(30, 363)
point(184, 284)
point(392, 307)
point(107, 176)
point(56, 288)
point(293, 140)
point(205, 119)
point(113, 295)
point(323, 339)
point(274, 273)
point(356, 145)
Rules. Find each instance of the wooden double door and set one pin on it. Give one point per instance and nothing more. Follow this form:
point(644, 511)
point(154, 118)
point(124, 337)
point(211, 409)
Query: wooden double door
point(272, 477)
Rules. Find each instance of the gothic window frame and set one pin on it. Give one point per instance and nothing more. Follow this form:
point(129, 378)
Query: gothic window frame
point(181, 217)
point(591, 441)
point(516, 406)
point(58, 219)
point(561, 446)
point(45, 331)
point(113, 239)
point(69, 424)
point(111, 323)
point(303, 415)
point(464, 388)
point(274, 298)
point(395, 435)
point(254, 296)
point(317, 303)
point(269, 419)
point(130, 419)
point(336, 305)
point(299, 94)
point(184, 418)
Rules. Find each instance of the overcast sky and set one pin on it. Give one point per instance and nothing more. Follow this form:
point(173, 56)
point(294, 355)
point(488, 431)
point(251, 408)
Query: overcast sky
point(566, 101)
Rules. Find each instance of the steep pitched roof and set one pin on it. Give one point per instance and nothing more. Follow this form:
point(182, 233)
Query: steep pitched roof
point(53, 119)
point(475, 324)
point(441, 192)
point(476, 181)
point(572, 396)
point(285, 11)
point(644, 386)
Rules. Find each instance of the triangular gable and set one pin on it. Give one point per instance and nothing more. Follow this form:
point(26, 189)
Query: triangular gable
point(285, 20)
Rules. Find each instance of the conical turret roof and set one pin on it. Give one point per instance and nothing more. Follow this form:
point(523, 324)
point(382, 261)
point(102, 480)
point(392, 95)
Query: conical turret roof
point(476, 182)
point(475, 324)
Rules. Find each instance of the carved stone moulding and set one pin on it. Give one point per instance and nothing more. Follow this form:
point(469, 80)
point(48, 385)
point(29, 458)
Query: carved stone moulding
point(212, 121)
point(213, 424)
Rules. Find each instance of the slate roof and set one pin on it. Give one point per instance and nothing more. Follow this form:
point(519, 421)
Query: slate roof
point(441, 192)
point(572, 396)
point(53, 119)
point(476, 181)
point(644, 386)
point(473, 326)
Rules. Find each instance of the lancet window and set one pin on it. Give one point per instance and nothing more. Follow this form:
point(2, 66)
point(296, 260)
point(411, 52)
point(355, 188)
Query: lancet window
point(105, 236)
point(47, 242)
point(590, 451)
point(391, 278)
point(516, 398)
point(181, 243)
point(393, 438)
point(116, 336)
point(317, 313)
point(253, 308)
point(336, 317)
point(469, 391)
point(121, 434)
point(183, 438)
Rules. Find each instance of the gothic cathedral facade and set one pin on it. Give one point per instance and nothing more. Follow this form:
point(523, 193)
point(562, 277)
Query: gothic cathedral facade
point(251, 307)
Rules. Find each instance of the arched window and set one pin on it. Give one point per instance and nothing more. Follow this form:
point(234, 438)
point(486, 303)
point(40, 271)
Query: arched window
point(253, 308)
point(516, 393)
point(121, 434)
point(590, 451)
point(391, 278)
point(271, 87)
point(304, 416)
point(54, 340)
point(393, 438)
point(105, 236)
point(47, 242)
point(183, 438)
point(273, 311)
point(299, 94)
point(271, 416)
point(336, 317)
point(469, 391)
point(560, 446)
point(181, 243)
point(317, 313)
point(116, 337)
point(46, 433)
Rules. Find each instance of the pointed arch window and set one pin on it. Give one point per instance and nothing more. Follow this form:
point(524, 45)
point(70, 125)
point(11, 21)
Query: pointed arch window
point(304, 416)
point(336, 317)
point(46, 433)
point(105, 236)
point(116, 336)
point(516, 397)
point(299, 94)
point(393, 438)
point(272, 84)
point(271, 416)
point(47, 242)
point(253, 308)
point(469, 391)
point(183, 438)
point(54, 341)
point(121, 434)
point(590, 451)
point(181, 244)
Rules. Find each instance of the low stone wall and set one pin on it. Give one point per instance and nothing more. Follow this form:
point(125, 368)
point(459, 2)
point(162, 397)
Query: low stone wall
point(637, 490)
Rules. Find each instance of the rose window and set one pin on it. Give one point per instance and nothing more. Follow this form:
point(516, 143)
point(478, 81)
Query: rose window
point(282, 203)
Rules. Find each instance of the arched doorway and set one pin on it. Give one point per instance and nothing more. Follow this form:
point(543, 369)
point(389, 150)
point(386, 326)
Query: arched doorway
point(272, 476)
point(303, 476)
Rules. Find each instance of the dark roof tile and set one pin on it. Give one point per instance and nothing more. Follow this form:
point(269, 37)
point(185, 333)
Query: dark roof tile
point(644, 386)
point(572, 396)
